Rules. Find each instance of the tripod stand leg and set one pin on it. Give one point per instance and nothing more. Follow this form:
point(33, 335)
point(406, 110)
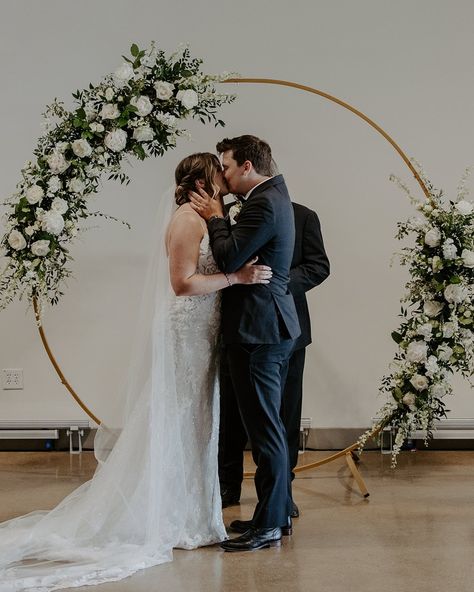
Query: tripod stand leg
point(356, 474)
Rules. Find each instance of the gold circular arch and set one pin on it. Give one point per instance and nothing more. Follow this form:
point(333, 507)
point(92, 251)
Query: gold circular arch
point(347, 451)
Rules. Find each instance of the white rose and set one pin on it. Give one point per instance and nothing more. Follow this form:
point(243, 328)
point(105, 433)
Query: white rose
point(409, 399)
point(124, 72)
point(76, 185)
point(116, 140)
point(166, 119)
point(54, 184)
point(417, 351)
point(468, 258)
point(34, 194)
point(143, 105)
point(164, 90)
point(455, 293)
point(464, 207)
point(444, 353)
point(81, 148)
point(419, 382)
point(97, 127)
point(188, 98)
point(109, 94)
point(432, 308)
point(449, 249)
point(59, 205)
point(437, 263)
point(424, 330)
point(109, 111)
point(16, 240)
point(143, 134)
point(52, 222)
point(433, 237)
point(57, 163)
point(40, 248)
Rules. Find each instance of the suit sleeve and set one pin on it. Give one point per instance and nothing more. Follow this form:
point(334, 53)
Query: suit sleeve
point(233, 247)
point(315, 266)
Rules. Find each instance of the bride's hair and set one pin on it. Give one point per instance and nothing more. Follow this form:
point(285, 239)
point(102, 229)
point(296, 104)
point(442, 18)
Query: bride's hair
point(202, 165)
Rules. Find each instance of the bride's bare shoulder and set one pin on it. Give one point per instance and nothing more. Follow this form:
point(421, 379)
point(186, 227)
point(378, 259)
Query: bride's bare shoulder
point(186, 223)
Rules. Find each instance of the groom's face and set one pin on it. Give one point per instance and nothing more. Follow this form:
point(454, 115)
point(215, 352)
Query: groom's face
point(233, 173)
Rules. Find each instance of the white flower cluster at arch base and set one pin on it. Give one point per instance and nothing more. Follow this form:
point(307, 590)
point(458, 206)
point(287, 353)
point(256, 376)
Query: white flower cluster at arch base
point(435, 338)
point(135, 111)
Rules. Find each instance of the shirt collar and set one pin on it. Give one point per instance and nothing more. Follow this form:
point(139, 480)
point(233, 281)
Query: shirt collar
point(247, 195)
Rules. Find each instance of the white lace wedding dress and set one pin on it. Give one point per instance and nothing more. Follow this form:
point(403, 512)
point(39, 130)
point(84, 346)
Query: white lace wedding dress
point(156, 487)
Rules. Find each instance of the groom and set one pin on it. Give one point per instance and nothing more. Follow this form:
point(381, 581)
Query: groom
point(259, 323)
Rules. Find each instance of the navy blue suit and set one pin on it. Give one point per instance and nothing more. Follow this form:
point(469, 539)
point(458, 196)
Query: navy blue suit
point(259, 326)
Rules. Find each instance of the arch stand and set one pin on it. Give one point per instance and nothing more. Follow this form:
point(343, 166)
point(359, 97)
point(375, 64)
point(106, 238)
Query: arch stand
point(347, 453)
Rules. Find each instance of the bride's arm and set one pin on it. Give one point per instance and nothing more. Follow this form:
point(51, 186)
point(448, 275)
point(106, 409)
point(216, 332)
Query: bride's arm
point(184, 238)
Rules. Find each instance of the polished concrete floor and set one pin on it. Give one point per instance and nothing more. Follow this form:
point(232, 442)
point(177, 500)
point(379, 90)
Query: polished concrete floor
point(415, 533)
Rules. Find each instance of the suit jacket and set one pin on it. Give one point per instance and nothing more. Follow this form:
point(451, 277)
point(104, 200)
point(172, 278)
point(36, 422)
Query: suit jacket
point(309, 267)
point(258, 313)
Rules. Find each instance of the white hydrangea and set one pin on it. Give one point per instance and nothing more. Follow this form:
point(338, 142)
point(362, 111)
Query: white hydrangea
point(449, 249)
point(143, 134)
point(425, 330)
point(124, 73)
point(464, 207)
point(468, 258)
point(34, 194)
point(448, 330)
point(16, 240)
point(431, 366)
point(433, 237)
point(40, 248)
point(54, 184)
point(110, 111)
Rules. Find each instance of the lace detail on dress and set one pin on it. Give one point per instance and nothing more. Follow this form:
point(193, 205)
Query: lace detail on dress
point(195, 323)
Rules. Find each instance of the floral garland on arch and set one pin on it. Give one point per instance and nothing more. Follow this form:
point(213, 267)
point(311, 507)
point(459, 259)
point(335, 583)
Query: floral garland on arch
point(135, 111)
point(435, 337)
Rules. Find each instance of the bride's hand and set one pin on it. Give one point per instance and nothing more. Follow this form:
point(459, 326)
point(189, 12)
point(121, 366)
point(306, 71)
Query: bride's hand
point(253, 274)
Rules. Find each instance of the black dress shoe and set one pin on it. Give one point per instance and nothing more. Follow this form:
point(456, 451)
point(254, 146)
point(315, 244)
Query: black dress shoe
point(253, 539)
point(243, 526)
point(230, 497)
point(295, 513)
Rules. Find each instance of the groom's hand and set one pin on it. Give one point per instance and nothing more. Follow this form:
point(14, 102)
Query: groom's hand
point(205, 205)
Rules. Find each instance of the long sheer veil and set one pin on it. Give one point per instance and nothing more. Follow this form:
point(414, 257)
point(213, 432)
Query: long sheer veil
point(127, 517)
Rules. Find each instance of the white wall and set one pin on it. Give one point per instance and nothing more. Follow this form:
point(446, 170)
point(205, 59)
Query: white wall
point(408, 65)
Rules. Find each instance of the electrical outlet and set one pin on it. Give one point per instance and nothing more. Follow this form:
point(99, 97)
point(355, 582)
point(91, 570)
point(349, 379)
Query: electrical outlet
point(12, 379)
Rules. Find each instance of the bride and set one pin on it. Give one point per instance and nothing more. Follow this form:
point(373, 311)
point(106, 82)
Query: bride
point(156, 485)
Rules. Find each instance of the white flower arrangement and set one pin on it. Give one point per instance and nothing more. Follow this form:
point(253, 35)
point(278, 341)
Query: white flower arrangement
point(435, 338)
point(136, 110)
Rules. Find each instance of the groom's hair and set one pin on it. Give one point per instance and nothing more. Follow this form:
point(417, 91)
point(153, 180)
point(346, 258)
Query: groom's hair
point(249, 148)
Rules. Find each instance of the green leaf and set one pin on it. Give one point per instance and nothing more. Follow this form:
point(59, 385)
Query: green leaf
point(134, 50)
point(396, 337)
point(454, 279)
